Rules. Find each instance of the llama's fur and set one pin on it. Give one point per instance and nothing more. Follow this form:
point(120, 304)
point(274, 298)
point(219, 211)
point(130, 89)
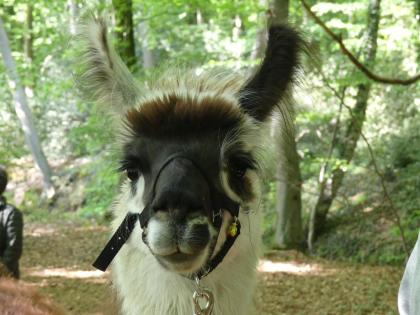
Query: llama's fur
point(142, 284)
point(19, 298)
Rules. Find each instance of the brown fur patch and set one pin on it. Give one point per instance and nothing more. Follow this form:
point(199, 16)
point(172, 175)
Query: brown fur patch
point(18, 298)
point(172, 115)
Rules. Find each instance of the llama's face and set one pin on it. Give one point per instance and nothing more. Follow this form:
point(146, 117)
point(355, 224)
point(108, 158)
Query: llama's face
point(189, 140)
point(176, 162)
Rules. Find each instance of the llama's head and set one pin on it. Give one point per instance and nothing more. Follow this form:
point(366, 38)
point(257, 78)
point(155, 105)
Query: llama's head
point(190, 143)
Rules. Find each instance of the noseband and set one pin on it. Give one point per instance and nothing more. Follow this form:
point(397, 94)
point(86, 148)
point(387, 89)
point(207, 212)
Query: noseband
point(218, 203)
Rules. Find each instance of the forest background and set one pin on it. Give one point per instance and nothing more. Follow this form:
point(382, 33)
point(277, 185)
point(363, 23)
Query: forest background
point(346, 189)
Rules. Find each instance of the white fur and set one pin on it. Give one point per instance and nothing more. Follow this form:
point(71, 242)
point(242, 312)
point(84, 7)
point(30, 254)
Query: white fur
point(145, 287)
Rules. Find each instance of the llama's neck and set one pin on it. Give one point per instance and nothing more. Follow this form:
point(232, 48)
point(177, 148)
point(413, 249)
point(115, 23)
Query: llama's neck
point(145, 287)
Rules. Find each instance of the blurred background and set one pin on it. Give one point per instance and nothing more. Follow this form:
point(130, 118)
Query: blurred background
point(341, 208)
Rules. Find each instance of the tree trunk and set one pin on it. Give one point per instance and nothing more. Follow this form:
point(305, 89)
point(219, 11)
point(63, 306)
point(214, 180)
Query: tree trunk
point(199, 17)
point(125, 32)
point(73, 13)
point(237, 25)
point(346, 145)
point(260, 37)
point(147, 54)
point(24, 114)
point(279, 11)
point(288, 202)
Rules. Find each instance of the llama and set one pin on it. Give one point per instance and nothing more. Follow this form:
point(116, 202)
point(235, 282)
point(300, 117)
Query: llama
point(190, 146)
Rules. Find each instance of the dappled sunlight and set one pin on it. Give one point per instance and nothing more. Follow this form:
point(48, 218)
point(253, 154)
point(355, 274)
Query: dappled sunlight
point(40, 231)
point(292, 267)
point(67, 273)
point(37, 230)
point(94, 228)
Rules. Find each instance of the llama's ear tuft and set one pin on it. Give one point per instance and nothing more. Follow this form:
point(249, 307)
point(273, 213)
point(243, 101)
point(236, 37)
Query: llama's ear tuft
point(102, 76)
point(270, 83)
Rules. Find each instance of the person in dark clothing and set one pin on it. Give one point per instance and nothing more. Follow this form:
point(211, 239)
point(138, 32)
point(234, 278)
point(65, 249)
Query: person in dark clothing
point(11, 230)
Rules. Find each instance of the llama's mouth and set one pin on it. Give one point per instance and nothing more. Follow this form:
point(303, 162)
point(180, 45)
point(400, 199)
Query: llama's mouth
point(182, 262)
point(181, 247)
point(178, 258)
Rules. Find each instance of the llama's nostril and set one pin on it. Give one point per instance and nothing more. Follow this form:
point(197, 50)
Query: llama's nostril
point(195, 238)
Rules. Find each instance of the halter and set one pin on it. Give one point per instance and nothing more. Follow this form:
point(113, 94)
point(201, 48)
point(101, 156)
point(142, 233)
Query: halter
point(218, 203)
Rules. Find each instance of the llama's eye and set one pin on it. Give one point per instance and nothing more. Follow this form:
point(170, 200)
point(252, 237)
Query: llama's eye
point(132, 166)
point(238, 165)
point(239, 172)
point(133, 174)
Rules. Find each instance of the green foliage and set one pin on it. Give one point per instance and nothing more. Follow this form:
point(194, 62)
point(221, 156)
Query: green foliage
point(268, 205)
point(93, 135)
point(101, 188)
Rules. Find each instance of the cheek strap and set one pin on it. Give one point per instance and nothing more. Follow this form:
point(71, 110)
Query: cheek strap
point(117, 240)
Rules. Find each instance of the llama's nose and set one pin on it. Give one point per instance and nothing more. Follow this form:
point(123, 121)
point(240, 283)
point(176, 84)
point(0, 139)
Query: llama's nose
point(181, 189)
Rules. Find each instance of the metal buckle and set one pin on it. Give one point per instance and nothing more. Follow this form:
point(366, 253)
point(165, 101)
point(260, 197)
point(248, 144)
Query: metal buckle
point(202, 296)
point(217, 214)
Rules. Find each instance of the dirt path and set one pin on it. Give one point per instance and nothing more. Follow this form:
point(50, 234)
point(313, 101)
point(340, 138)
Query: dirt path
point(58, 262)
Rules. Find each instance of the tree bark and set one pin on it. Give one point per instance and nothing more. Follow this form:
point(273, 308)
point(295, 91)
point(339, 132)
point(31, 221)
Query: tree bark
point(146, 52)
point(346, 145)
point(288, 202)
point(260, 37)
point(279, 11)
point(73, 8)
point(125, 32)
point(24, 114)
point(199, 17)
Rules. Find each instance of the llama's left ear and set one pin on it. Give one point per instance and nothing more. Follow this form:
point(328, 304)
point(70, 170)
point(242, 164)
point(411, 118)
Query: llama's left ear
point(270, 83)
point(102, 76)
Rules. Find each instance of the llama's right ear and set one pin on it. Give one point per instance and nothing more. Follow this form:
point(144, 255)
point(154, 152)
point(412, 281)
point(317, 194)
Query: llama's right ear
point(102, 76)
point(270, 83)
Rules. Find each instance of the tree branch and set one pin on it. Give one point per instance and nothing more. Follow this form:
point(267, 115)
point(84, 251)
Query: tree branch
point(384, 188)
point(353, 59)
point(376, 168)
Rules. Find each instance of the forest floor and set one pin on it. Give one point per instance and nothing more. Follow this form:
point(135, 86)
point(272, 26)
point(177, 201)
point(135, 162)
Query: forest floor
point(57, 260)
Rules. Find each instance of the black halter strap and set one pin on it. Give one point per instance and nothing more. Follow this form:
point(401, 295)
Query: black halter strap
point(117, 240)
point(218, 258)
point(219, 202)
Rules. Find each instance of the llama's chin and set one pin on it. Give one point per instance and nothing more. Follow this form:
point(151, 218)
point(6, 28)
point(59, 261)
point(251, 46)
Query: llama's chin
point(183, 263)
